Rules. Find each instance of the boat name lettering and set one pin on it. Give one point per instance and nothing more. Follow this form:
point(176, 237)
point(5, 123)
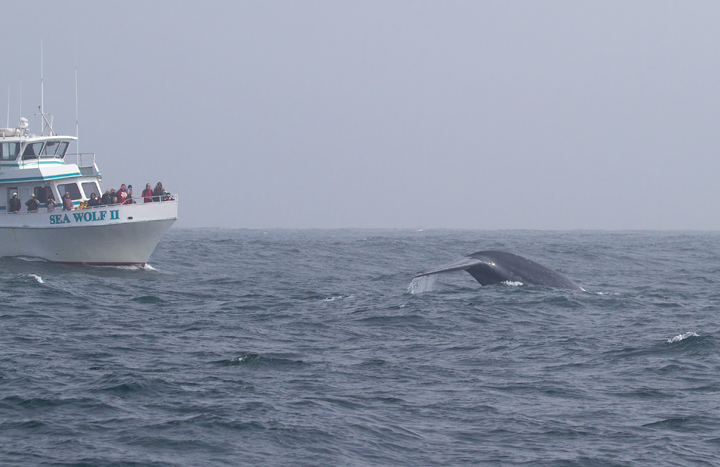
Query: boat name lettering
point(89, 216)
point(59, 219)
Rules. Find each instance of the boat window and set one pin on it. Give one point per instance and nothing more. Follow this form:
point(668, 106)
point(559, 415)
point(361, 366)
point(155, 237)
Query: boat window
point(89, 188)
point(71, 188)
point(24, 194)
point(9, 151)
point(42, 193)
point(61, 149)
point(32, 150)
point(50, 148)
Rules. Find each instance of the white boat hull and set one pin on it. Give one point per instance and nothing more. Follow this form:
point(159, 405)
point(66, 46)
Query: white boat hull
point(117, 234)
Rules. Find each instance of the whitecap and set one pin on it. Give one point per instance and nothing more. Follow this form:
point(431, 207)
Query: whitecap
point(682, 337)
point(337, 297)
point(513, 283)
point(422, 284)
point(31, 259)
point(37, 278)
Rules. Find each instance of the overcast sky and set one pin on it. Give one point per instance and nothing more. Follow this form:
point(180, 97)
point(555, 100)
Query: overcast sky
point(397, 114)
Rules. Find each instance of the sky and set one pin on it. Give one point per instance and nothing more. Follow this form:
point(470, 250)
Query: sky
point(387, 114)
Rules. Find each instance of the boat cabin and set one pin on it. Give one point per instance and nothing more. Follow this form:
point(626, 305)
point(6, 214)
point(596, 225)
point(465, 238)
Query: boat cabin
point(36, 165)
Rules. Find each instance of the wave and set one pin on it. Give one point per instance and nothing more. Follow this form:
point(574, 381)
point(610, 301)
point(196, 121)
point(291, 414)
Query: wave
point(37, 278)
point(31, 259)
point(682, 337)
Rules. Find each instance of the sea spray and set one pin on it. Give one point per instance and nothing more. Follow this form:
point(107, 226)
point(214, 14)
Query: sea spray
point(422, 284)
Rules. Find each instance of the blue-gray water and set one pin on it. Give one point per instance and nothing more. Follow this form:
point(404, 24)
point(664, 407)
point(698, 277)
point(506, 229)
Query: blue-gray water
point(306, 348)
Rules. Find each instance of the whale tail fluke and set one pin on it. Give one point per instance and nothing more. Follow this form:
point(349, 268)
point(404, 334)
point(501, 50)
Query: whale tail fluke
point(492, 267)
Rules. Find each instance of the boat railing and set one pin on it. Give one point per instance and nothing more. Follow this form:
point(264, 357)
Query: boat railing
point(136, 202)
point(84, 159)
point(139, 201)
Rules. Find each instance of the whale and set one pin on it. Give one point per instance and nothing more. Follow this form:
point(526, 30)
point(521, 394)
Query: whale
point(492, 267)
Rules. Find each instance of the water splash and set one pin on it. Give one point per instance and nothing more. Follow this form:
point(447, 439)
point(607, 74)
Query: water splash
point(513, 283)
point(681, 337)
point(422, 284)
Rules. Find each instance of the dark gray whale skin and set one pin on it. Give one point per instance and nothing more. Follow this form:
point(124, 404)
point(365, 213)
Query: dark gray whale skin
point(492, 267)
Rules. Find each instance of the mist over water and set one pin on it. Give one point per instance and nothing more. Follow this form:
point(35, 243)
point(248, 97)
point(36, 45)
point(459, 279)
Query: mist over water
point(243, 347)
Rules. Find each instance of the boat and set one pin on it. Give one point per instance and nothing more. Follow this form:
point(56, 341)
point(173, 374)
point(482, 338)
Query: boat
point(40, 166)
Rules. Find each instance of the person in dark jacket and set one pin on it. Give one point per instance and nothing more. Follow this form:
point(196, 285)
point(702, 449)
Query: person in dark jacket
point(32, 204)
point(14, 204)
point(93, 201)
point(158, 192)
point(106, 198)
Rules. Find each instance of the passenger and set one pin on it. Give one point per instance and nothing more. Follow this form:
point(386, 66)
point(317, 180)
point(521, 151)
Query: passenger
point(166, 196)
point(122, 194)
point(130, 200)
point(93, 201)
point(32, 204)
point(113, 196)
point(50, 203)
point(147, 194)
point(67, 202)
point(14, 204)
point(158, 192)
point(106, 198)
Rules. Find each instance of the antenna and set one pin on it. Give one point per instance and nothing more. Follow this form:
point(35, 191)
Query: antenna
point(42, 94)
point(43, 116)
point(77, 120)
point(7, 125)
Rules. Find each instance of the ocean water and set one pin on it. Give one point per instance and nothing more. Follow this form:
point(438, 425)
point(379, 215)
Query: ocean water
point(283, 347)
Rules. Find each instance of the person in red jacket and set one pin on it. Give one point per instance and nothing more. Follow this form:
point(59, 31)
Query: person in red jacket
point(147, 194)
point(122, 194)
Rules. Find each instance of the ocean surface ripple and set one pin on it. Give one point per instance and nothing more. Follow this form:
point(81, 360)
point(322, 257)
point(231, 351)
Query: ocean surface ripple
point(304, 347)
